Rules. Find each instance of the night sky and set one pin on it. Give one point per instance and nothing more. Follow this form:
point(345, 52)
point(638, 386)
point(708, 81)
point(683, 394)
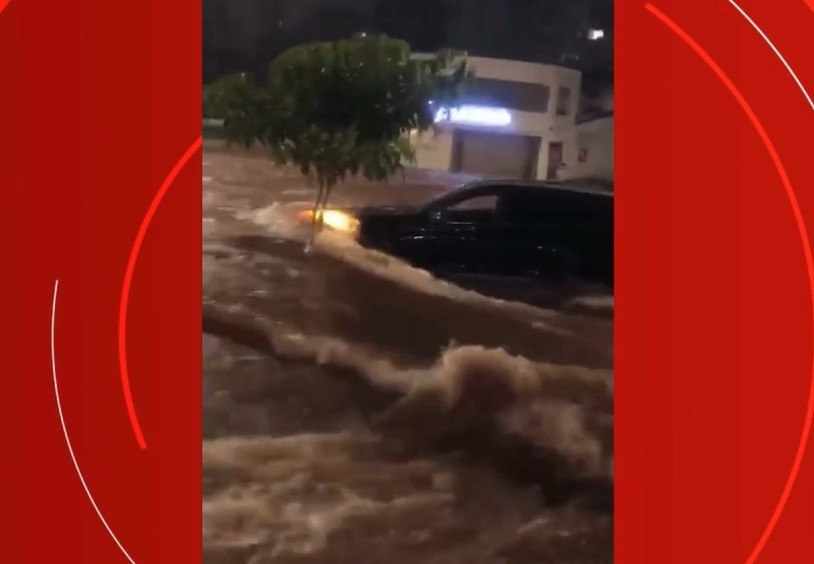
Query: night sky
point(245, 35)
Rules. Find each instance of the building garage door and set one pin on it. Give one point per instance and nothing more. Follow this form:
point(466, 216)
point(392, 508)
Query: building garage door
point(495, 155)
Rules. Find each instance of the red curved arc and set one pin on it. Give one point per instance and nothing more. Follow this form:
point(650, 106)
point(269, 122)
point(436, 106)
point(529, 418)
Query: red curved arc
point(3, 4)
point(810, 4)
point(801, 228)
point(128, 280)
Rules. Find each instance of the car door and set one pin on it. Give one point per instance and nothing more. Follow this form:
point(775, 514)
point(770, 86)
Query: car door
point(456, 234)
point(531, 231)
point(593, 229)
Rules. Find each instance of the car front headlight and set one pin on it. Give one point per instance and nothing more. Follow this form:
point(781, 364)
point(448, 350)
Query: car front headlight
point(334, 219)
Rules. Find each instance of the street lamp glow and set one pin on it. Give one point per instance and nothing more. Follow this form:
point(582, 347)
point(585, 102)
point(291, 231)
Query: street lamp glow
point(595, 34)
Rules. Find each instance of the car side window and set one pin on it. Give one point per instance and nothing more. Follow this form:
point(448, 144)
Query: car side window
point(524, 209)
point(484, 202)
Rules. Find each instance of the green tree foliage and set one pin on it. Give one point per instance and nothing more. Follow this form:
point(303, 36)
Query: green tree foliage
point(341, 108)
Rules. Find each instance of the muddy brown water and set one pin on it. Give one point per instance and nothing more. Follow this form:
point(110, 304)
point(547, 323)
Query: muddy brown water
point(358, 410)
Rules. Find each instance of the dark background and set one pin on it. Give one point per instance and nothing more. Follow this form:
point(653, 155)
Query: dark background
point(245, 35)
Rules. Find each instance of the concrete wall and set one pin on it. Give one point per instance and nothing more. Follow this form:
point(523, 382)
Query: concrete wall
point(549, 75)
point(595, 138)
point(435, 151)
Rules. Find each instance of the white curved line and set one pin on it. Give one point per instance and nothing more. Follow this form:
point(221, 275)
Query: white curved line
point(776, 52)
point(65, 430)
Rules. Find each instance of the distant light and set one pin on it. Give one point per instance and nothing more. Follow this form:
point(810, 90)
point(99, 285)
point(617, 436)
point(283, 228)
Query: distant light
point(595, 34)
point(475, 115)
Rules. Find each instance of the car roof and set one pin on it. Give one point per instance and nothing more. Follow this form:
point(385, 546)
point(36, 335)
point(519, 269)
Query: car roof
point(569, 186)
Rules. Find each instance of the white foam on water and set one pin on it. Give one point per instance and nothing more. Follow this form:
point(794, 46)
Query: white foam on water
point(278, 219)
point(297, 487)
point(294, 495)
point(300, 495)
point(548, 405)
point(602, 302)
point(306, 496)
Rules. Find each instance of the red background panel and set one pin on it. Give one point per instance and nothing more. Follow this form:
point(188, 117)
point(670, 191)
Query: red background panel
point(100, 100)
point(714, 312)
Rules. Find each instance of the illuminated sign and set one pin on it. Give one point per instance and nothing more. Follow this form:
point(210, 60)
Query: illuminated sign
point(474, 115)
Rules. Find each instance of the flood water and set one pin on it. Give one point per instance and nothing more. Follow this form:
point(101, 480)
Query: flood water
point(358, 410)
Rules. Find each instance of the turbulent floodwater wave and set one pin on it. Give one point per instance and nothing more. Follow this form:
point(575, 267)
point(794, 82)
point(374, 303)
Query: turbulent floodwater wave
point(433, 454)
point(470, 393)
point(359, 410)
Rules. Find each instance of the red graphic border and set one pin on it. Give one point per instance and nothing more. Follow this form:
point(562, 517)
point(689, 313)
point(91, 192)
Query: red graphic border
point(128, 281)
point(781, 170)
point(714, 297)
point(101, 99)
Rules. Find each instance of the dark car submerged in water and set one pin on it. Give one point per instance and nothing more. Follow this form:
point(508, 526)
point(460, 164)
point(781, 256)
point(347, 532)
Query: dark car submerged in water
point(545, 230)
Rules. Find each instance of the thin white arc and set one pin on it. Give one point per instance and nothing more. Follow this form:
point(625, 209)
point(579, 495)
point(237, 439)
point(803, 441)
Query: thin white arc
point(807, 96)
point(65, 431)
point(776, 51)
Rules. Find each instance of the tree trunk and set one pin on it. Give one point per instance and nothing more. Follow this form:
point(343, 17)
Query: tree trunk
point(328, 189)
point(316, 215)
point(324, 188)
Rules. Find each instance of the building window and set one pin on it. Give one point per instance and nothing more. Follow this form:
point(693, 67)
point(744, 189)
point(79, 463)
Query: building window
point(521, 96)
point(563, 101)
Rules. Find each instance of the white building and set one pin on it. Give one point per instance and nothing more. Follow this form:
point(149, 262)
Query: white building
point(594, 143)
point(516, 120)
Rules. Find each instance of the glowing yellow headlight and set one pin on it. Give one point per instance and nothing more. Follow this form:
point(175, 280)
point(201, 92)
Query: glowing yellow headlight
point(335, 219)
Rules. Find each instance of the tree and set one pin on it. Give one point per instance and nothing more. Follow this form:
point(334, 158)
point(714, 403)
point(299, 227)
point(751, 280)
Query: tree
point(339, 108)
